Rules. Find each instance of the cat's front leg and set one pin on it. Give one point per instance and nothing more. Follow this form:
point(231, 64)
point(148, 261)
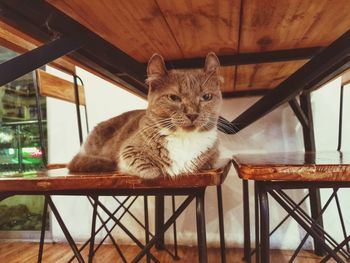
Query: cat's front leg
point(139, 163)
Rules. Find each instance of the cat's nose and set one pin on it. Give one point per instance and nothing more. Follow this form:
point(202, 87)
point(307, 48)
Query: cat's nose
point(192, 117)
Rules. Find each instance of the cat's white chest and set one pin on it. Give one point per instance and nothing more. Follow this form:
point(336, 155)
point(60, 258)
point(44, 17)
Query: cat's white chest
point(184, 147)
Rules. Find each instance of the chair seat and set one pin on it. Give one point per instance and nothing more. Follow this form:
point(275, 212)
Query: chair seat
point(62, 179)
point(294, 166)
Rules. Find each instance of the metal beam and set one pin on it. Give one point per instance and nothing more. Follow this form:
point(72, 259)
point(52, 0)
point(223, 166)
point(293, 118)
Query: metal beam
point(23, 64)
point(250, 58)
point(42, 21)
point(331, 61)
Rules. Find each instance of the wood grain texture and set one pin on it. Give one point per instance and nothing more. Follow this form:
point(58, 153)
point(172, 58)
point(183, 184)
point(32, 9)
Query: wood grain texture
point(265, 76)
point(298, 166)
point(61, 179)
point(52, 86)
point(137, 27)
point(275, 25)
point(201, 26)
point(228, 73)
point(17, 41)
point(14, 252)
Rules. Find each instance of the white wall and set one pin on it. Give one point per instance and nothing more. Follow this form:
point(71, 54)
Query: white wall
point(277, 132)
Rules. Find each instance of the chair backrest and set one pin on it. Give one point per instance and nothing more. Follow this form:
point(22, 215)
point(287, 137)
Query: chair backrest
point(52, 86)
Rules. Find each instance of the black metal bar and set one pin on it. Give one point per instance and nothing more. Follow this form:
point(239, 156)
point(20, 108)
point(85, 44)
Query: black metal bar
point(246, 221)
point(137, 242)
point(313, 222)
point(257, 223)
point(309, 145)
point(342, 244)
point(145, 203)
point(201, 232)
point(165, 226)
point(329, 62)
point(140, 224)
point(288, 215)
point(85, 106)
point(342, 221)
point(173, 205)
point(340, 129)
point(93, 228)
point(308, 130)
point(42, 233)
point(77, 108)
point(304, 225)
point(250, 58)
point(276, 185)
point(159, 220)
point(103, 224)
point(108, 231)
point(283, 220)
point(25, 63)
point(299, 112)
point(40, 120)
point(221, 224)
point(264, 224)
point(65, 230)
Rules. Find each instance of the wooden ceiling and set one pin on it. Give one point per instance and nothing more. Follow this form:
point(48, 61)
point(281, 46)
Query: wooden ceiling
point(182, 29)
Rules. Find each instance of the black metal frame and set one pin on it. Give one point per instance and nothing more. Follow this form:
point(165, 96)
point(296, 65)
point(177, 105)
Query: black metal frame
point(311, 225)
point(191, 193)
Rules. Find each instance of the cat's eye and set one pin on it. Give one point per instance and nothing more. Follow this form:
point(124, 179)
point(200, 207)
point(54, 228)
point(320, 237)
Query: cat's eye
point(207, 97)
point(174, 98)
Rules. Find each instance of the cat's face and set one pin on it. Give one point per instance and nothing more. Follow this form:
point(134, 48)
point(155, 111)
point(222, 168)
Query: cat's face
point(188, 100)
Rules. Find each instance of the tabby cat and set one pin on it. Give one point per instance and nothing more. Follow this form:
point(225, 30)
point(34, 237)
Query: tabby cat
point(176, 134)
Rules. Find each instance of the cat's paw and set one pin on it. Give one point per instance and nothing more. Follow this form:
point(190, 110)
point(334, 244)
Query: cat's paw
point(150, 173)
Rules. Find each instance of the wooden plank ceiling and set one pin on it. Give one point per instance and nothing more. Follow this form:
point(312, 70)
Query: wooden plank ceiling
point(180, 29)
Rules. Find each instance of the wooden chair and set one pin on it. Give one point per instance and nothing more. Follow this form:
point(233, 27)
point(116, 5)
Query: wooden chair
point(95, 185)
point(61, 182)
point(272, 173)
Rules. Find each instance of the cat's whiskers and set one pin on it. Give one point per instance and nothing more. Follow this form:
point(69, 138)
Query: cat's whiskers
point(152, 126)
point(232, 128)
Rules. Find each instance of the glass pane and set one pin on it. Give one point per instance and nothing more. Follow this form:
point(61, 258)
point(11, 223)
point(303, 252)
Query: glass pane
point(20, 148)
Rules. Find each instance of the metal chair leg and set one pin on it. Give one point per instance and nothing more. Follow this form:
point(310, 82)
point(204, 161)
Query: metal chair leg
point(221, 224)
point(65, 230)
point(201, 231)
point(42, 233)
point(148, 258)
point(93, 228)
point(257, 223)
point(176, 256)
point(246, 222)
point(159, 220)
point(264, 225)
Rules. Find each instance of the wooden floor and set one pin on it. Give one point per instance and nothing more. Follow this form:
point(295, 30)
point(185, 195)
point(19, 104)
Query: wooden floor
point(23, 252)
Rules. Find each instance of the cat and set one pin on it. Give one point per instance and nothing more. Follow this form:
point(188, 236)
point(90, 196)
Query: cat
point(176, 134)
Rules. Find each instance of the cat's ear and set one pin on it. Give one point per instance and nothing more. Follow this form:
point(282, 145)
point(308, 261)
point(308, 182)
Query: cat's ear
point(156, 67)
point(212, 63)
